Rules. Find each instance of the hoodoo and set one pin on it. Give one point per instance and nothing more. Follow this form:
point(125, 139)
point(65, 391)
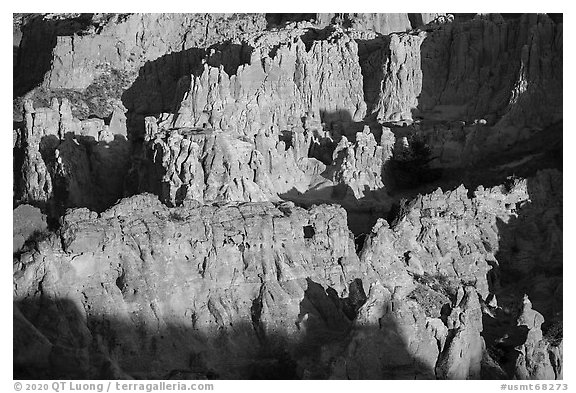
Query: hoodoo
point(287, 196)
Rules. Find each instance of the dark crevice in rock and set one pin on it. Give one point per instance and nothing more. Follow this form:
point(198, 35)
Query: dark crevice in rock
point(256, 314)
point(121, 282)
point(311, 35)
point(356, 299)
point(359, 242)
point(309, 232)
point(371, 54)
point(279, 19)
point(415, 20)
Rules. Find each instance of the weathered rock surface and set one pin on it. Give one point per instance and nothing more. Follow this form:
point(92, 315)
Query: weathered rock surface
point(451, 235)
point(533, 361)
point(443, 241)
point(126, 41)
point(463, 350)
point(497, 98)
point(362, 165)
point(211, 123)
point(206, 166)
point(215, 284)
point(426, 76)
point(385, 325)
point(280, 278)
point(27, 221)
point(379, 23)
point(71, 162)
point(357, 178)
point(424, 347)
point(277, 91)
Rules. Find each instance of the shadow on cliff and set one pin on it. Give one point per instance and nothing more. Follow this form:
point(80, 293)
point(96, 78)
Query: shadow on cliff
point(543, 150)
point(280, 19)
point(409, 176)
point(529, 261)
point(55, 339)
point(371, 54)
point(490, 73)
point(87, 173)
point(162, 83)
point(107, 163)
point(442, 102)
point(34, 54)
point(362, 213)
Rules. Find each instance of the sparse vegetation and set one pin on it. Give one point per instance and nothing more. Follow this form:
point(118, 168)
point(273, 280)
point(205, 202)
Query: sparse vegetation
point(37, 237)
point(429, 299)
point(554, 334)
point(510, 183)
point(98, 99)
point(413, 169)
point(439, 283)
point(176, 216)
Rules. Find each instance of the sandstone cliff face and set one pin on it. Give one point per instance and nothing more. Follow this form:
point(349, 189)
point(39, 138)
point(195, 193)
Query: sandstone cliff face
point(462, 356)
point(277, 91)
point(379, 23)
point(425, 73)
point(217, 281)
point(235, 281)
point(271, 80)
point(362, 166)
point(27, 222)
point(69, 161)
point(425, 347)
point(57, 51)
point(206, 166)
point(211, 124)
point(533, 361)
point(127, 41)
point(451, 235)
point(499, 96)
point(443, 241)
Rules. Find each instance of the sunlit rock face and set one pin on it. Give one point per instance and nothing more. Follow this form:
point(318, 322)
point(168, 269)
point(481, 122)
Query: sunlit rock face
point(28, 222)
point(288, 196)
point(277, 91)
point(212, 282)
point(447, 254)
point(126, 41)
point(230, 283)
point(207, 167)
